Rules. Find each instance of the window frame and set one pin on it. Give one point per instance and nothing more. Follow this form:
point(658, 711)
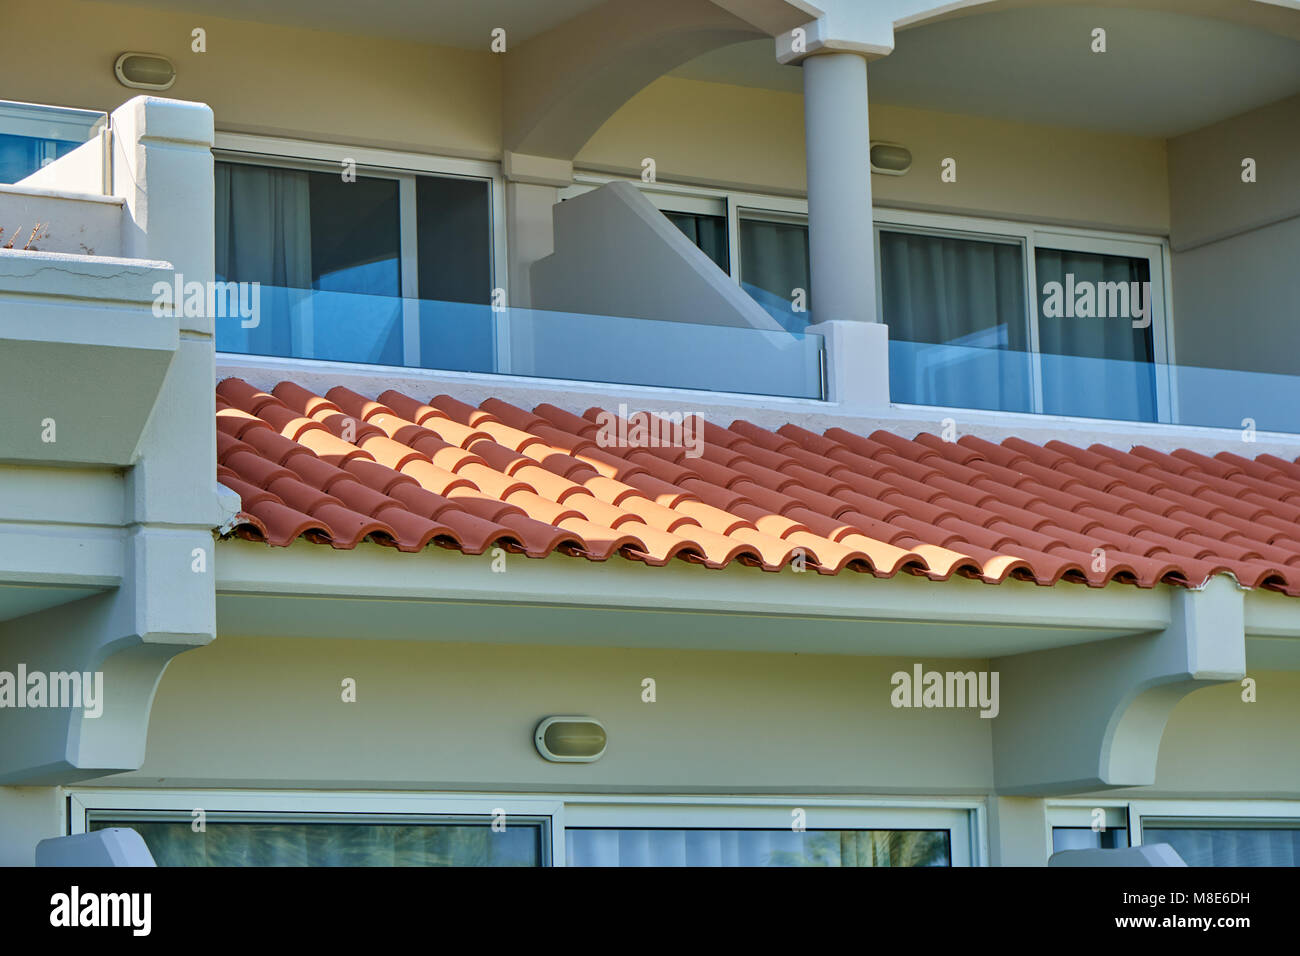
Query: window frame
point(367, 806)
point(1192, 813)
point(1032, 235)
point(404, 167)
point(1212, 814)
point(965, 819)
point(1077, 814)
point(962, 820)
point(680, 197)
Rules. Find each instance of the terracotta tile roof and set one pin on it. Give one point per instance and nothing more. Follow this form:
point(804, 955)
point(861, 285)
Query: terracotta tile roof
point(340, 468)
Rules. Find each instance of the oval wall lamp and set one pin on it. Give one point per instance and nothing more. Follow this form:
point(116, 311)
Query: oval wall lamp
point(570, 739)
point(891, 159)
point(144, 71)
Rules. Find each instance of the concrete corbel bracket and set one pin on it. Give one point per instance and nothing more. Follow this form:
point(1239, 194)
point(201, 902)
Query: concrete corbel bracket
point(1091, 716)
point(89, 669)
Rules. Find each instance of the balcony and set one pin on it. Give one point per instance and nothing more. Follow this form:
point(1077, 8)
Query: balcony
point(32, 136)
point(997, 379)
point(82, 343)
point(467, 337)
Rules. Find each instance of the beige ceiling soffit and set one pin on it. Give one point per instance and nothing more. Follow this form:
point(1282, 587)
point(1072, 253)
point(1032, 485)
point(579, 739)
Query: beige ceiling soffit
point(1275, 16)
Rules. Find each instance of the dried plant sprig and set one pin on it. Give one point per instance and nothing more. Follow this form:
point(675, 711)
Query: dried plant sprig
point(28, 246)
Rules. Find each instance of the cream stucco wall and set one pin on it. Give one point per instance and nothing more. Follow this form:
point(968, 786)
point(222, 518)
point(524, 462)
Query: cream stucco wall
point(267, 711)
point(353, 90)
point(260, 78)
point(747, 138)
point(1217, 743)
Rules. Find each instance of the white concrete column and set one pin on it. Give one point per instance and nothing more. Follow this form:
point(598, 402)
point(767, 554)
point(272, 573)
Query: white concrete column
point(838, 144)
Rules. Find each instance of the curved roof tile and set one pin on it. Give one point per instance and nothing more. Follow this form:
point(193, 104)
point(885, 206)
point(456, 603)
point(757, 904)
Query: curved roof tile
point(343, 467)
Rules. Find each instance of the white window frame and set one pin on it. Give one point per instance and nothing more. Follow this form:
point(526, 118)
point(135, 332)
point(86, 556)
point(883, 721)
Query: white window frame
point(965, 819)
point(1210, 814)
point(366, 805)
point(1029, 237)
point(678, 197)
point(1213, 814)
point(403, 167)
point(1077, 814)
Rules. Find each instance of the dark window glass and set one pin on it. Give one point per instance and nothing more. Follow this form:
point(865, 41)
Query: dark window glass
point(294, 229)
point(709, 233)
point(1230, 846)
point(455, 239)
point(20, 156)
point(355, 237)
point(327, 255)
point(773, 263)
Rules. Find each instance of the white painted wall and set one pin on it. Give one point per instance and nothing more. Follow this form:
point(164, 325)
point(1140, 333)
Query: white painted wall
point(616, 254)
point(27, 816)
point(72, 222)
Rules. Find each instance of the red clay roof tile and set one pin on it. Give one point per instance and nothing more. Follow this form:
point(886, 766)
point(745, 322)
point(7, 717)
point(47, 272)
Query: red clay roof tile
point(342, 468)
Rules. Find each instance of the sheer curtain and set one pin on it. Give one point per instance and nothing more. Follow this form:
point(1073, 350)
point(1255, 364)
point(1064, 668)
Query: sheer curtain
point(773, 263)
point(1096, 367)
point(958, 324)
point(263, 234)
point(617, 847)
point(1244, 846)
point(709, 233)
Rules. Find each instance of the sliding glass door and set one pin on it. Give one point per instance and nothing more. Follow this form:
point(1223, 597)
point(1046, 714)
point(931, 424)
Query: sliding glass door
point(375, 267)
point(774, 266)
point(958, 324)
point(288, 828)
point(1018, 318)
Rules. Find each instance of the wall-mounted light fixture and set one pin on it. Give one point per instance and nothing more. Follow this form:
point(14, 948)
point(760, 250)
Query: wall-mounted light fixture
point(145, 71)
point(891, 159)
point(570, 739)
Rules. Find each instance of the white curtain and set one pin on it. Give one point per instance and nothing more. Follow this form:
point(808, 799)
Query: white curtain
point(958, 323)
point(1230, 846)
point(773, 263)
point(263, 234)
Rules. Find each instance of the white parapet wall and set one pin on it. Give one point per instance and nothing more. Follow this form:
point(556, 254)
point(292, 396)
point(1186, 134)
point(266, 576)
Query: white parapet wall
point(616, 254)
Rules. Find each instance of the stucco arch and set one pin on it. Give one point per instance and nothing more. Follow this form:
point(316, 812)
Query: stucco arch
point(561, 86)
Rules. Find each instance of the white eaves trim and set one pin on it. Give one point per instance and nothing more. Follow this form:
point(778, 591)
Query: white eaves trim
point(373, 572)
